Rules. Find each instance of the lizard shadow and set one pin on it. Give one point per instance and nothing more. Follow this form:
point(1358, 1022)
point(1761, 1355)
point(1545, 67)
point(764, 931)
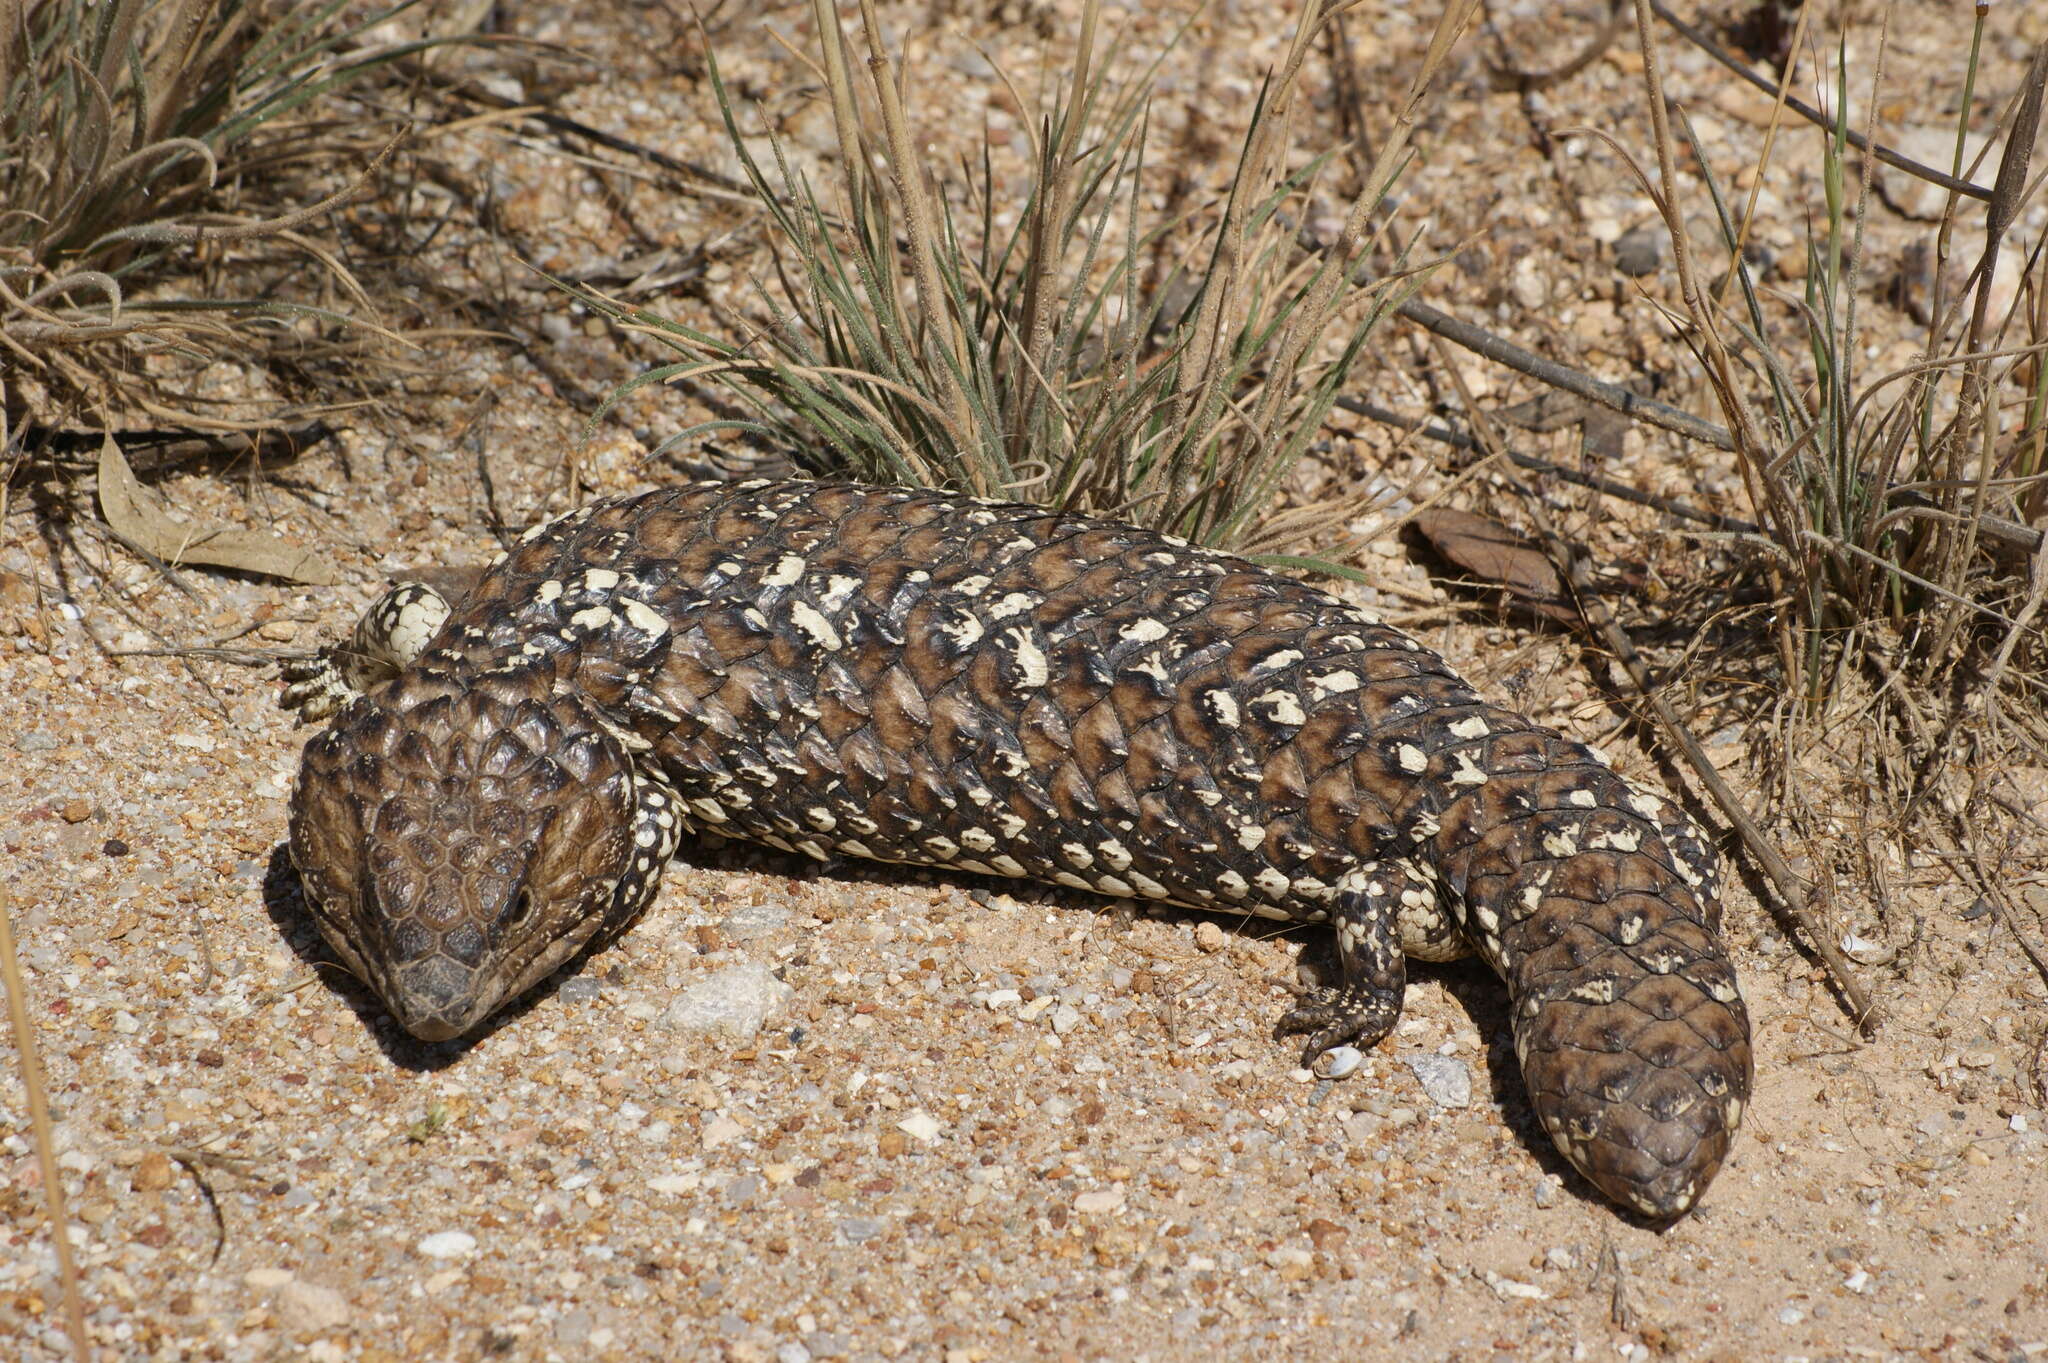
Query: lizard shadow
point(1472, 985)
point(1480, 993)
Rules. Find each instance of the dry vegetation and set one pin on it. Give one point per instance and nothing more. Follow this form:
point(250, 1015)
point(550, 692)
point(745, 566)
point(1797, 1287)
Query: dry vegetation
point(155, 163)
point(1088, 324)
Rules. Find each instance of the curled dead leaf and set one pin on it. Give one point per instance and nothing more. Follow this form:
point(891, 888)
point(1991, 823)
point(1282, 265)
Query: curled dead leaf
point(134, 512)
point(1491, 551)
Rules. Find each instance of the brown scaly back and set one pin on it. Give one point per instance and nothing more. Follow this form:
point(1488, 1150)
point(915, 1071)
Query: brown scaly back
point(1000, 689)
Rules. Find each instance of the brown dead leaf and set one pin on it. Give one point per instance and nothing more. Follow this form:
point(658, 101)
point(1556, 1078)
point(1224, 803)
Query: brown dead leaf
point(1489, 550)
point(133, 511)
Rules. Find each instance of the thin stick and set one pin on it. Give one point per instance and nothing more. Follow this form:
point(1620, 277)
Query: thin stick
point(39, 1123)
point(1897, 160)
point(1632, 405)
point(1605, 486)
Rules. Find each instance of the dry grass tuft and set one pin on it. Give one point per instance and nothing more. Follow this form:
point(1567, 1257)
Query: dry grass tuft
point(933, 331)
point(142, 144)
point(1893, 508)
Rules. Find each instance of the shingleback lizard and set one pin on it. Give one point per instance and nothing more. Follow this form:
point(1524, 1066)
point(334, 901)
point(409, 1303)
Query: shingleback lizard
point(916, 677)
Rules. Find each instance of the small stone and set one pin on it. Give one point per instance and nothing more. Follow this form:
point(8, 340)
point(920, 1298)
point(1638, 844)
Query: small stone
point(1640, 250)
point(35, 743)
point(447, 1244)
point(1447, 1082)
point(1559, 1259)
point(791, 1351)
point(580, 989)
point(573, 1329)
point(1338, 1061)
point(311, 1308)
point(75, 810)
point(1210, 937)
point(749, 921)
point(1325, 1234)
point(891, 1144)
point(1511, 1289)
point(922, 1126)
point(153, 1174)
point(1100, 1201)
point(721, 1131)
point(1547, 1190)
point(1065, 1019)
point(1291, 1262)
point(733, 1003)
point(266, 1279)
point(857, 1229)
point(1000, 998)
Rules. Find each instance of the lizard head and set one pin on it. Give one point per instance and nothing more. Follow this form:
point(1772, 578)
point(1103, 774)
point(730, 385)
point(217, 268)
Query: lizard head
point(458, 844)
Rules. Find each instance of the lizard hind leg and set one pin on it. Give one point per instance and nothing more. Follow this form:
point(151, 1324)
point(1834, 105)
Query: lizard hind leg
point(392, 633)
point(1365, 1003)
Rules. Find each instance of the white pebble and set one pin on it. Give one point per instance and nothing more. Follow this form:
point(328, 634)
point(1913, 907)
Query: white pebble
point(1338, 1062)
point(1447, 1082)
point(1101, 1201)
point(447, 1244)
point(735, 1002)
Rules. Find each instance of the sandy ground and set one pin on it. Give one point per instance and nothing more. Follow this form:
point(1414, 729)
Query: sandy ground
point(981, 1124)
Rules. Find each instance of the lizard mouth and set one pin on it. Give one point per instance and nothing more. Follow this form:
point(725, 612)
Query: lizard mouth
point(437, 999)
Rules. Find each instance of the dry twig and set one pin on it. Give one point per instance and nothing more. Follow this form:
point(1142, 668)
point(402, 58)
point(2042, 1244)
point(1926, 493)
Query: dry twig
point(39, 1122)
